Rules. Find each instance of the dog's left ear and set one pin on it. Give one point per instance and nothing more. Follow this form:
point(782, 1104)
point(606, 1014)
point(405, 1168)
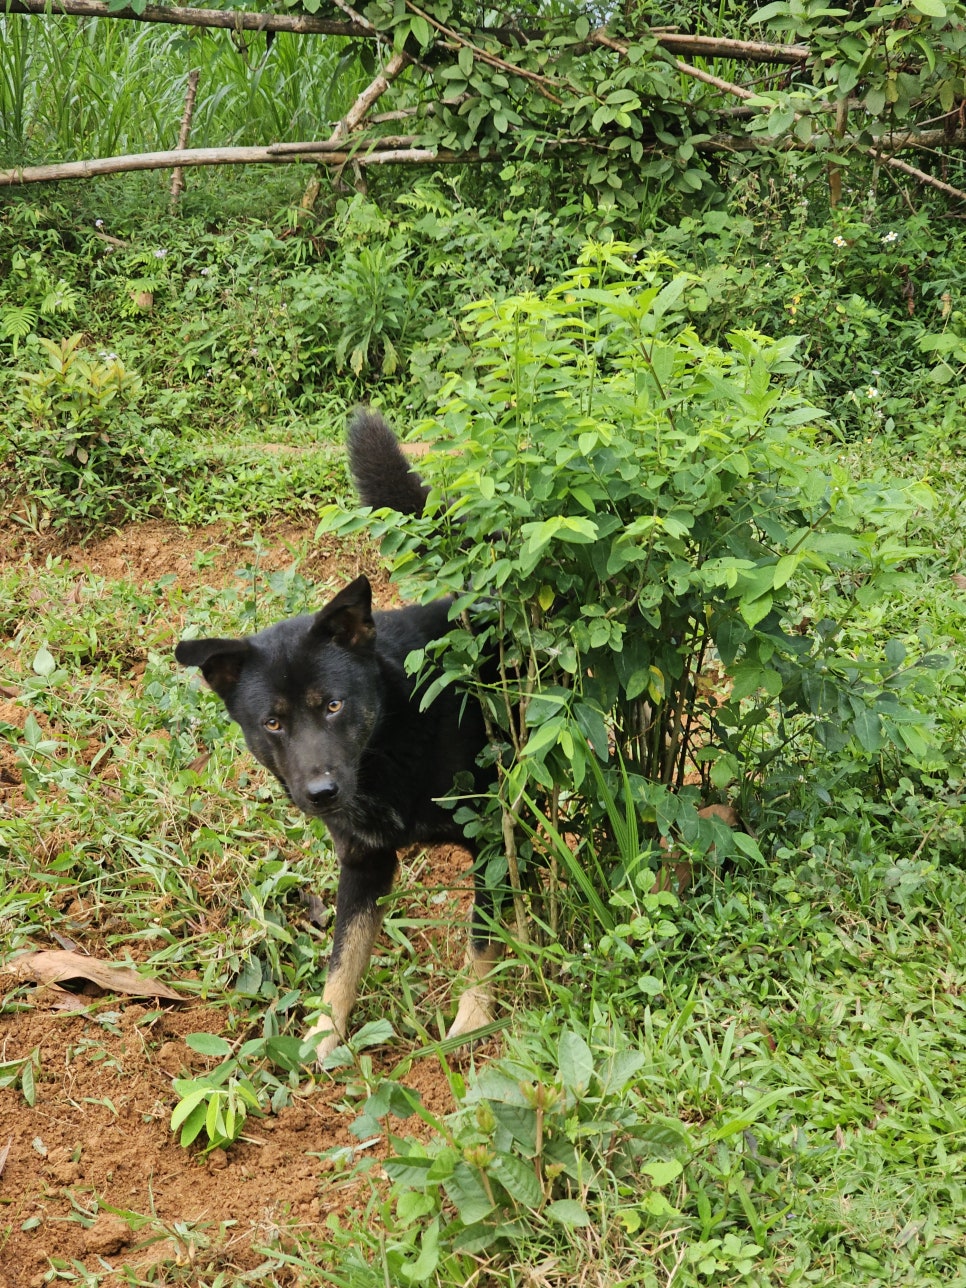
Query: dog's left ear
point(347, 620)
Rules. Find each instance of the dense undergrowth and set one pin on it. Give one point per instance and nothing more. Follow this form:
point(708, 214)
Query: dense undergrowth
point(756, 1083)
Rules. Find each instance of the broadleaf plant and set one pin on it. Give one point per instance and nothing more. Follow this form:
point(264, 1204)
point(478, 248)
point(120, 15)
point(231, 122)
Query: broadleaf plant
point(635, 527)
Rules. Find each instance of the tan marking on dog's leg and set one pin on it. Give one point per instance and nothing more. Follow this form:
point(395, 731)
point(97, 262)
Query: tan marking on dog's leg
point(476, 1004)
point(342, 983)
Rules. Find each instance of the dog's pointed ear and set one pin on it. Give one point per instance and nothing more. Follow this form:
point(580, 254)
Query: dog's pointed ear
point(347, 620)
point(221, 661)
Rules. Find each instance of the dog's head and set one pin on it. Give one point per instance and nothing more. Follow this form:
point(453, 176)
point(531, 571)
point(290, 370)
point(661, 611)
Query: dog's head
point(307, 694)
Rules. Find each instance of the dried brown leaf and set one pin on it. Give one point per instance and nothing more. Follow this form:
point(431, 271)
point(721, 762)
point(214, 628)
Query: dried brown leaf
point(53, 966)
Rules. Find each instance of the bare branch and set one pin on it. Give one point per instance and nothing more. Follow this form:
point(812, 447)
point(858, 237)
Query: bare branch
point(357, 18)
point(177, 179)
point(708, 79)
point(369, 95)
point(400, 150)
point(747, 51)
point(360, 28)
point(232, 20)
point(320, 153)
point(921, 175)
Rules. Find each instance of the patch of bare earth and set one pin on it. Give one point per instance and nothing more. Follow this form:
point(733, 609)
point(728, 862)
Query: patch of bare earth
point(91, 1174)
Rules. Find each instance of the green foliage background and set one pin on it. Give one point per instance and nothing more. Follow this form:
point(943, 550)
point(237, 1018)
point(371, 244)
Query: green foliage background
point(716, 424)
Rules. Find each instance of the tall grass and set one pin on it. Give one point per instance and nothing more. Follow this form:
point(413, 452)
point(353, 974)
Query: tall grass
point(72, 88)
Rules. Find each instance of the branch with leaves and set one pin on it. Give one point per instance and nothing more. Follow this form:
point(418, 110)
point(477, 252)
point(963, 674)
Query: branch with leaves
point(624, 108)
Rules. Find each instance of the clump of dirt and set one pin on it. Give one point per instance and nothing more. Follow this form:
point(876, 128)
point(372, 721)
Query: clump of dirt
point(90, 1173)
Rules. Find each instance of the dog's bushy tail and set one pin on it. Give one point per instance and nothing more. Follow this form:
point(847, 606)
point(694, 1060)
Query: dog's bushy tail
point(380, 471)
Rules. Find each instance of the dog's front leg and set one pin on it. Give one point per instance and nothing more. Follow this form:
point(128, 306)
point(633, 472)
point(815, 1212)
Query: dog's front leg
point(358, 916)
point(483, 952)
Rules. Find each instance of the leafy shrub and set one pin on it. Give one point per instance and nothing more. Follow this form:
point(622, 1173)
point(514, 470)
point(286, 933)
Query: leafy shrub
point(390, 299)
point(80, 450)
point(362, 311)
point(626, 507)
point(32, 293)
point(869, 291)
point(522, 1167)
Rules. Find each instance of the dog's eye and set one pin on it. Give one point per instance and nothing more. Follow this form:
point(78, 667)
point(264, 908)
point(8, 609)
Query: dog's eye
point(273, 724)
point(333, 707)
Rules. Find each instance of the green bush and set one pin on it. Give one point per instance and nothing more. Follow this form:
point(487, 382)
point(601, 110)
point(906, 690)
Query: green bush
point(634, 521)
point(873, 292)
point(80, 451)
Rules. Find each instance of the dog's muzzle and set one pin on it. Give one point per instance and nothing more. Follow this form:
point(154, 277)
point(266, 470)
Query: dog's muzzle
point(322, 792)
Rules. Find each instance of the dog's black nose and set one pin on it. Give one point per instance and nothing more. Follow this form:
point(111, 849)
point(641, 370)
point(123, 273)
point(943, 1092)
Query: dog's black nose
point(322, 791)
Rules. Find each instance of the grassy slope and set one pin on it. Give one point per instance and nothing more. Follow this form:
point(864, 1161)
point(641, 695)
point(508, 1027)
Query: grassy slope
point(804, 1022)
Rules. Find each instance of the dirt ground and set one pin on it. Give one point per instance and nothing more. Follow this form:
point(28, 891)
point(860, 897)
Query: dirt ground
point(98, 1136)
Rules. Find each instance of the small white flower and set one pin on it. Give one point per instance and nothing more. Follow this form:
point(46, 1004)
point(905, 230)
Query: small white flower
point(889, 237)
point(839, 241)
point(98, 223)
point(872, 392)
point(160, 254)
point(206, 272)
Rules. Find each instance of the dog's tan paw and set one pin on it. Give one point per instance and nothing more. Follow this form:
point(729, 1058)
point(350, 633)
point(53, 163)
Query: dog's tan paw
point(324, 1038)
point(475, 1010)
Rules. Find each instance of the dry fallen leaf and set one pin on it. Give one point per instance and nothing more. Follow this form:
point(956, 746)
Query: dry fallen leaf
point(53, 966)
point(4, 1153)
point(675, 873)
point(724, 812)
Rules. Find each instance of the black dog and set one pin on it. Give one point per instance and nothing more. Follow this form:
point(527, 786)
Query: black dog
point(325, 703)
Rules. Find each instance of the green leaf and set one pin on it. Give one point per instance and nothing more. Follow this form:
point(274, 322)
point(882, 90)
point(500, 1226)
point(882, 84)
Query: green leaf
point(518, 1179)
point(868, 729)
point(44, 663)
point(576, 1062)
point(755, 610)
point(209, 1044)
point(193, 1124)
point(422, 31)
point(931, 8)
point(28, 1083)
point(424, 1267)
point(187, 1106)
point(466, 1192)
point(662, 1171)
point(568, 1212)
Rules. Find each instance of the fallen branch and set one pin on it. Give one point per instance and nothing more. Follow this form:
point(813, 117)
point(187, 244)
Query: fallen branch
point(359, 28)
point(747, 51)
point(369, 95)
point(177, 179)
point(921, 175)
point(232, 20)
point(320, 153)
point(401, 150)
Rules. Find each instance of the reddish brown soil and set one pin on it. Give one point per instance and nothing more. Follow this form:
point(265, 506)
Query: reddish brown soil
point(91, 1175)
